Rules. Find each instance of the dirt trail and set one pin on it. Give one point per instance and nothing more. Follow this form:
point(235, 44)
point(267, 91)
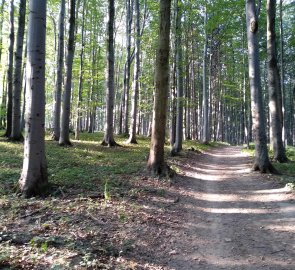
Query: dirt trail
point(233, 218)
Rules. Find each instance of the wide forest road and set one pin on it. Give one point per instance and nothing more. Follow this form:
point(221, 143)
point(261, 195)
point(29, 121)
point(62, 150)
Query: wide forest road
point(233, 218)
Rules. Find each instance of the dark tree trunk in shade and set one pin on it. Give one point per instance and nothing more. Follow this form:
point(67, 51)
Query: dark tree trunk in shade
point(261, 161)
point(156, 162)
point(177, 147)
point(16, 134)
point(274, 88)
point(108, 139)
point(10, 73)
point(64, 138)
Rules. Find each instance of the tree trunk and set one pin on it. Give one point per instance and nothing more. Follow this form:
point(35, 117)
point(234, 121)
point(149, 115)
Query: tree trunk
point(205, 138)
point(261, 162)
point(156, 163)
point(108, 139)
point(274, 89)
point(282, 70)
point(16, 134)
point(81, 75)
point(59, 72)
point(177, 147)
point(132, 135)
point(34, 178)
point(66, 106)
point(125, 101)
point(10, 73)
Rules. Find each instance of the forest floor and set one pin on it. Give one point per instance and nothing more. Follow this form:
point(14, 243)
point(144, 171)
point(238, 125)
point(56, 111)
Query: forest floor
point(215, 214)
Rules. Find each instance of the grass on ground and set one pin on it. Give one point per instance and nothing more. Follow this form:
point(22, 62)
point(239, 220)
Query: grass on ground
point(102, 208)
point(286, 169)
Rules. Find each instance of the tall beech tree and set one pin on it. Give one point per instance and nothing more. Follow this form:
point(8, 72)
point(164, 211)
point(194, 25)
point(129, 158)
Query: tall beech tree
point(274, 88)
point(10, 72)
point(205, 105)
point(16, 134)
point(261, 161)
point(59, 72)
point(177, 147)
point(135, 93)
point(64, 138)
point(108, 139)
point(156, 162)
point(34, 177)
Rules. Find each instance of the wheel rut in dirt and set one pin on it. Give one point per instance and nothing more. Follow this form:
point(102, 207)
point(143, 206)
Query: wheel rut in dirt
point(234, 218)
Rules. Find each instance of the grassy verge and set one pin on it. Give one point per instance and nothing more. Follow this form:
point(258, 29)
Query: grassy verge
point(104, 213)
point(87, 166)
point(286, 169)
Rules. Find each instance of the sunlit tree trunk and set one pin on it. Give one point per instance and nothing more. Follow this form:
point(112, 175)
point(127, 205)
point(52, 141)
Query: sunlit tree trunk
point(177, 147)
point(108, 139)
point(33, 179)
point(261, 162)
point(10, 73)
point(274, 89)
point(59, 73)
point(156, 162)
point(16, 134)
point(135, 94)
point(66, 105)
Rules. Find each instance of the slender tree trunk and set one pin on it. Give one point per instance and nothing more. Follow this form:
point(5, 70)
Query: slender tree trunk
point(274, 89)
point(282, 70)
point(205, 138)
point(34, 178)
point(261, 162)
point(16, 134)
point(64, 138)
point(59, 73)
point(177, 147)
point(108, 139)
point(156, 162)
point(10, 73)
point(125, 101)
point(132, 135)
point(81, 75)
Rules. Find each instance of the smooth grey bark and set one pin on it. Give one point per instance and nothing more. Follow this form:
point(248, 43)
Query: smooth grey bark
point(156, 162)
point(261, 161)
point(64, 138)
point(274, 88)
point(177, 147)
point(34, 177)
point(124, 114)
point(205, 103)
point(81, 75)
point(108, 139)
point(135, 93)
point(16, 134)
point(10, 73)
point(59, 72)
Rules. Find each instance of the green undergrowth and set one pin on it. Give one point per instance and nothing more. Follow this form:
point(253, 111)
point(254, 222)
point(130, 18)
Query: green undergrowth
point(86, 166)
point(286, 169)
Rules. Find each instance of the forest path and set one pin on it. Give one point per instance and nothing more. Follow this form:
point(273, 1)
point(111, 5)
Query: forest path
point(233, 218)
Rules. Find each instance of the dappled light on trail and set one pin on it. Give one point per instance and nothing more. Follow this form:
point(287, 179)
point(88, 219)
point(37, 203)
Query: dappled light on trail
point(238, 219)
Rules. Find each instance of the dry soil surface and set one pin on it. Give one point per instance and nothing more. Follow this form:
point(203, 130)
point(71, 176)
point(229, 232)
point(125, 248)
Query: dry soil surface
point(231, 217)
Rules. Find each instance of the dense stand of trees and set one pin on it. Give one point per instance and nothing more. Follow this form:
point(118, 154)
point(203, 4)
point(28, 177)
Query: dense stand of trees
point(229, 75)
